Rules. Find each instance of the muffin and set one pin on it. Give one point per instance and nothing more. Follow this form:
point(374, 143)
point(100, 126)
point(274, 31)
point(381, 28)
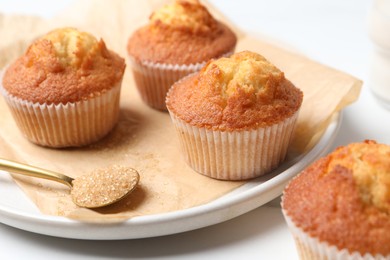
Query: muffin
point(64, 91)
point(178, 40)
point(235, 118)
point(339, 207)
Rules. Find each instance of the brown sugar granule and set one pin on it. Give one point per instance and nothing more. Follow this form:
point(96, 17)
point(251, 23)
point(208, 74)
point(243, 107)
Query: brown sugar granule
point(103, 186)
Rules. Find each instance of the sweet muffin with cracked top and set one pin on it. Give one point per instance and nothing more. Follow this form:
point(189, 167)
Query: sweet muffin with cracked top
point(64, 91)
point(338, 208)
point(235, 118)
point(178, 40)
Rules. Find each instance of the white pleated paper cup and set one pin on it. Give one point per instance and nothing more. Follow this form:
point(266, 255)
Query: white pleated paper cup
point(153, 80)
point(234, 155)
point(66, 125)
point(310, 248)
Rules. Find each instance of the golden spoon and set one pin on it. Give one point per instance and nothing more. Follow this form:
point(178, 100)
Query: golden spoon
point(97, 189)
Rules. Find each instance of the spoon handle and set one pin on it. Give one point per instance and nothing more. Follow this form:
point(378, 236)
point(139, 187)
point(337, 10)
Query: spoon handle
point(32, 171)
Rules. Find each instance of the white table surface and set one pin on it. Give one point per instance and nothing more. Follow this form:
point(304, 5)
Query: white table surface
point(332, 32)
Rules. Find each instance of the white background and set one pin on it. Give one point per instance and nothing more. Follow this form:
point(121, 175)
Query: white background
point(329, 31)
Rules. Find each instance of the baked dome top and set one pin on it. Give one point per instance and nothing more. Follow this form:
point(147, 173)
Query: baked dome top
point(65, 65)
point(243, 91)
point(183, 32)
point(186, 15)
point(369, 164)
point(344, 198)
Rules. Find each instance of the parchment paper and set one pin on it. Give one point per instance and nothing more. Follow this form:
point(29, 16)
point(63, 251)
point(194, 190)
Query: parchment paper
point(145, 138)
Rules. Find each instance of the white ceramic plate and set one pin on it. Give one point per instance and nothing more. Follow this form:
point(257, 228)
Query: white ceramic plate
point(18, 211)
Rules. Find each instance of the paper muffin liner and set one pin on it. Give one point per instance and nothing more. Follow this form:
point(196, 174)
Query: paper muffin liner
point(312, 248)
point(153, 80)
point(66, 125)
point(234, 155)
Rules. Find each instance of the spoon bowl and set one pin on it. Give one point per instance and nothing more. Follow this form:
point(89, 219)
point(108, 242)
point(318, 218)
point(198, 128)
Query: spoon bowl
point(98, 189)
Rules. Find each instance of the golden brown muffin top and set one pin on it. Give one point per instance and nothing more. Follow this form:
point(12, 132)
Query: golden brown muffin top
point(244, 91)
point(186, 15)
point(66, 65)
point(183, 32)
point(344, 198)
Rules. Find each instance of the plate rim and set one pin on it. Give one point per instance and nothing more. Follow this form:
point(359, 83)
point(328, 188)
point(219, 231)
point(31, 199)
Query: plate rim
point(213, 212)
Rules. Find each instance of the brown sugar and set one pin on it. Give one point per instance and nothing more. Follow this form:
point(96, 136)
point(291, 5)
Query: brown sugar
point(103, 186)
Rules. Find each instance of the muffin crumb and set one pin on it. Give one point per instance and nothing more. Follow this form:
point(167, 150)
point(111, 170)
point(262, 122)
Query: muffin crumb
point(369, 163)
point(72, 46)
point(246, 71)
